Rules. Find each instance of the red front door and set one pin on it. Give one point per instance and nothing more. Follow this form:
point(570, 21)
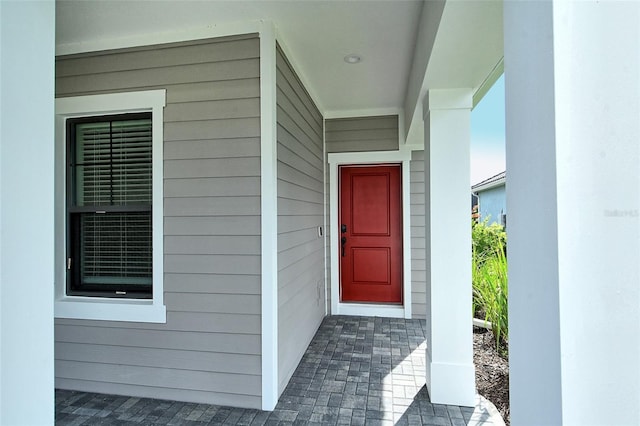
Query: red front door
point(370, 231)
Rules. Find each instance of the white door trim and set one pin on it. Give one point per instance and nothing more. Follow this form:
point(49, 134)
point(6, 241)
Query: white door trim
point(374, 157)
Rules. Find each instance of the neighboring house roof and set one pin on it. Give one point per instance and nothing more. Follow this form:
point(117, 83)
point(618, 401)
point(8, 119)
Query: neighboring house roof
point(491, 182)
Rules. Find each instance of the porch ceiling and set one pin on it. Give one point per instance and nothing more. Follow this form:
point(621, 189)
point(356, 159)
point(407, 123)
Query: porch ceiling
point(318, 35)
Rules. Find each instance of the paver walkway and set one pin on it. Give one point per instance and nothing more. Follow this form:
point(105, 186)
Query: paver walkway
point(356, 371)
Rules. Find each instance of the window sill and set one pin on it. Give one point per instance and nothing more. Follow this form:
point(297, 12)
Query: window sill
point(90, 308)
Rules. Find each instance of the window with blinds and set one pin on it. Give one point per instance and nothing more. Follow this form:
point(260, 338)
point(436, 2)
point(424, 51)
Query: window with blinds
point(109, 189)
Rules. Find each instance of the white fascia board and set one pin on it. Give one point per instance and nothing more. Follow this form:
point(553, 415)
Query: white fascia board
point(489, 185)
point(488, 82)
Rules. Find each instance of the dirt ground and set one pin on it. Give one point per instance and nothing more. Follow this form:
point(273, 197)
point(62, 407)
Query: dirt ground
point(492, 371)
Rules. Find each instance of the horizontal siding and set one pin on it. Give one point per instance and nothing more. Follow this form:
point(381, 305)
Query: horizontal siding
point(161, 56)
point(158, 339)
point(292, 223)
point(211, 187)
point(209, 349)
point(215, 303)
point(201, 283)
point(216, 148)
point(212, 110)
point(205, 381)
point(212, 264)
point(300, 211)
point(212, 206)
point(160, 358)
point(189, 321)
point(214, 129)
point(418, 259)
point(223, 245)
point(210, 167)
point(158, 77)
point(214, 90)
point(199, 397)
point(362, 134)
point(289, 173)
point(212, 225)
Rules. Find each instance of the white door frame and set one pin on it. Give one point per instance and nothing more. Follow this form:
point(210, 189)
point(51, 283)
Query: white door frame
point(373, 157)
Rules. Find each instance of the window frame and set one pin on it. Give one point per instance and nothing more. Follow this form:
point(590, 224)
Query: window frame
point(75, 284)
point(100, 307)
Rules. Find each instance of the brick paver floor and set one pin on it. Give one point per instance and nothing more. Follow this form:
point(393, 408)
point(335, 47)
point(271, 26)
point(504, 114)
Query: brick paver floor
point(356, 371)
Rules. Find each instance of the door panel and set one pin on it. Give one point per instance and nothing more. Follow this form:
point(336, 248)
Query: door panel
point(370, 205)
point(371, 265)
point(371, 234)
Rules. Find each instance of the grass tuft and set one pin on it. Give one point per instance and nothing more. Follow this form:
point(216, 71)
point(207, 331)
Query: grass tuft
point(489, 278)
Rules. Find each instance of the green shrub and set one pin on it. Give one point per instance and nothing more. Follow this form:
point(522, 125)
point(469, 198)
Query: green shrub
point(489, 278)
point(486, 238)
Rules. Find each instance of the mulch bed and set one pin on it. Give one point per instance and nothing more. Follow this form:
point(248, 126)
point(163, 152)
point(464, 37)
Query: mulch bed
point(492, 371)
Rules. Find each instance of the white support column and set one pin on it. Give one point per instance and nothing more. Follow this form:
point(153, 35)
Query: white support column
point(27, 46)
point(573, 193)
point(450, 371)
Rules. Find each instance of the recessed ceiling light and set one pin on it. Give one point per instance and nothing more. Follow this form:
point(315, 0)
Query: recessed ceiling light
point(352, 58)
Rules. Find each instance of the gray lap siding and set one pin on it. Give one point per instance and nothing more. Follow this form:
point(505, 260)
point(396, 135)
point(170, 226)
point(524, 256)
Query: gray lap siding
point(418, 255)
point(209, 350)
point(300, 211)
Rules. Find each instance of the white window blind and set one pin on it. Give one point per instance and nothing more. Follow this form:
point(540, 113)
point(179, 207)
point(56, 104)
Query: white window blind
point(113, 161)
point(110, 206)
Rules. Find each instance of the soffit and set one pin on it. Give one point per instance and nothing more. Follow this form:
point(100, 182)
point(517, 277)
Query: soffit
point(318, 35)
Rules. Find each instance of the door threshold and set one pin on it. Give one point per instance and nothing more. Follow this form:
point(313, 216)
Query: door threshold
point(370, 310)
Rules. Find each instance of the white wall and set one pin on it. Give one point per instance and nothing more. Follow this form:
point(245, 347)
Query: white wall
point(573, 102)
point(26, 212)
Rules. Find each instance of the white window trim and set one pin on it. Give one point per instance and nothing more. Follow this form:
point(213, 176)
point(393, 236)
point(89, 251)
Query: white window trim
point(101, 308)
point(402, 156)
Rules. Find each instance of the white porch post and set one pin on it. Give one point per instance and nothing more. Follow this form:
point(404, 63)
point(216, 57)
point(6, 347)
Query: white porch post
point(27, 40)
point(572, 74)
point(450, 371)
